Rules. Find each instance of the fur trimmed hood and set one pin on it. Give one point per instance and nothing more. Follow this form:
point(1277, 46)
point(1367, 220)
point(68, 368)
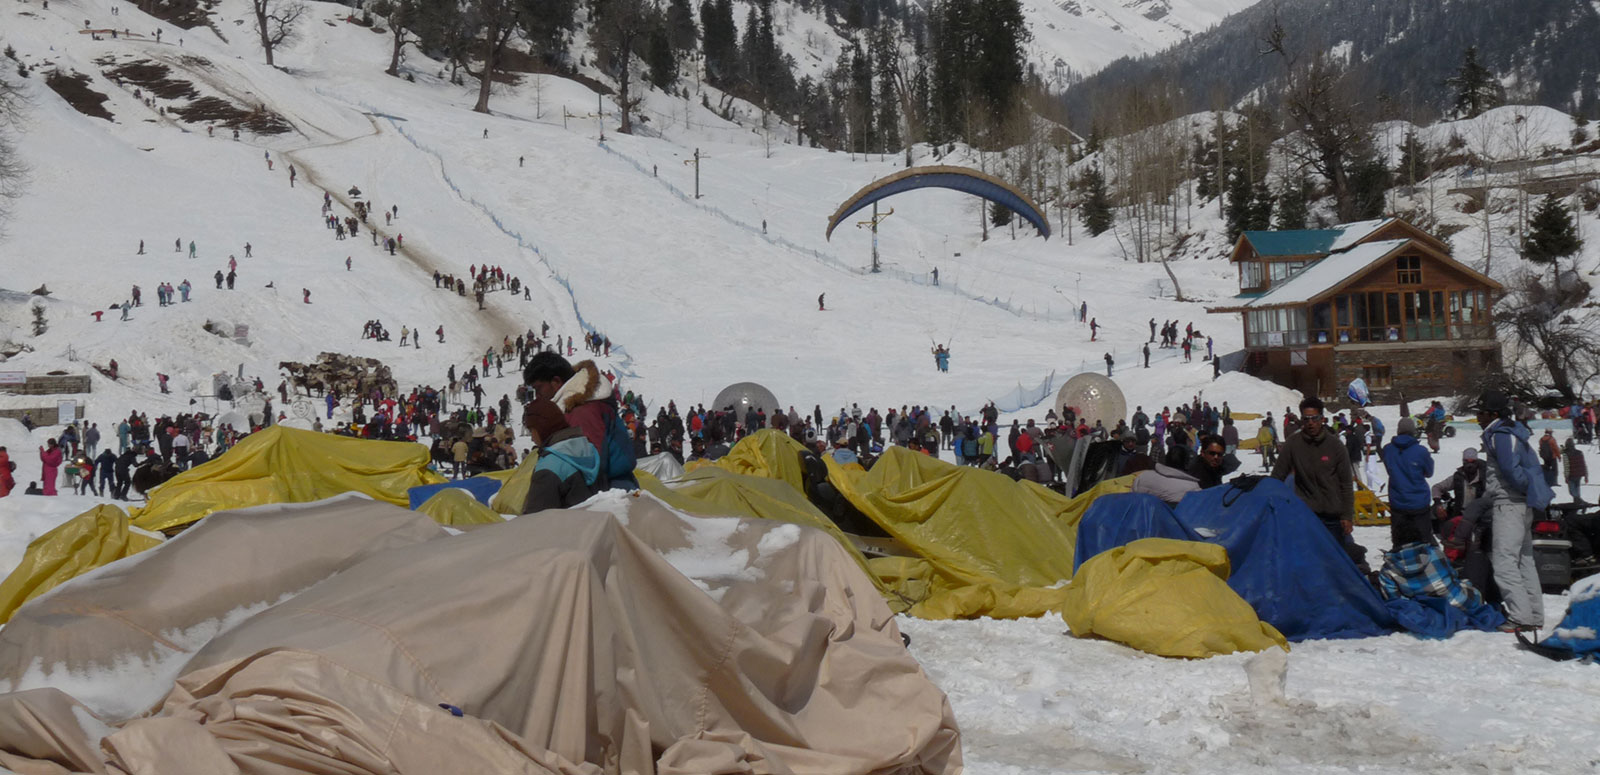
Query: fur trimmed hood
point(587, 384)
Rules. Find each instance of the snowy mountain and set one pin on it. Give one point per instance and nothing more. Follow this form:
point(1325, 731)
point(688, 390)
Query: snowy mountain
point(1076, 38)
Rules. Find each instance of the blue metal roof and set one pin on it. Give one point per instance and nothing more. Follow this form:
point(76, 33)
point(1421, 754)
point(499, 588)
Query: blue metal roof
point(1303, 242)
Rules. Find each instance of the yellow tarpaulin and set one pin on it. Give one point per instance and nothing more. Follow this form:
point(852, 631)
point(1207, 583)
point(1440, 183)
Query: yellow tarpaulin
point(456, 507)
point(513, 492)
point(94, 538)
point(992, 546)
point(768, 454)
point(1165, 597)
point(285, 465)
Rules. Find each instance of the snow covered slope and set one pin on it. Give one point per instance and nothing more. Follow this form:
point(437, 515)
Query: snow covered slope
point(698, 293)
point(1082, 36)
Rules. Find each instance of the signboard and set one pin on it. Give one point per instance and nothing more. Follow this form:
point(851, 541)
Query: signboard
point(1275, 339)
point(13, 377)
point(66, 411)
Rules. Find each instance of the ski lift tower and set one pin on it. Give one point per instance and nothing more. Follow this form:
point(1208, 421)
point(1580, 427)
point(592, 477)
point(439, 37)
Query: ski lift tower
point(872, 223)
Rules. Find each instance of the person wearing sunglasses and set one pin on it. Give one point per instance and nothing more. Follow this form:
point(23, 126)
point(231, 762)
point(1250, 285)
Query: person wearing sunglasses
point(1322, 476)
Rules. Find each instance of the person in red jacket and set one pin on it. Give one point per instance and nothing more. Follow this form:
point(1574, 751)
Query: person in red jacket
point(7, 481)
point(51, 459)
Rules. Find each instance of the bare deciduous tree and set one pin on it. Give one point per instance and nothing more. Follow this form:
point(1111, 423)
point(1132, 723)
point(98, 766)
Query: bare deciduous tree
point(275, 22)
point(13, 173)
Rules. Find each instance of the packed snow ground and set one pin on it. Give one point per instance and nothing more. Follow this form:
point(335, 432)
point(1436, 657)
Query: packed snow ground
point(699, 293)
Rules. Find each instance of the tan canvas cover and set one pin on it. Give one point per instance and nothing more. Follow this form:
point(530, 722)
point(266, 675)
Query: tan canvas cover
point(151, 611)
point(94, 538)
point(625, 638)
point(285, 465)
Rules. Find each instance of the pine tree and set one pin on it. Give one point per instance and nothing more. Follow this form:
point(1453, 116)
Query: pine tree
point(1369, 186)
point(1204, 161)
point(999, 214)
point(1552, 235)
point(888, 118)
point(1097, 215)
point(719, 42)
point(1476, 87)
point(1240, 199)
point(862, 137)
point(660, 57)
point(1293, 204)
point(1414, 160)
point(681, 30)
point(1261, 208)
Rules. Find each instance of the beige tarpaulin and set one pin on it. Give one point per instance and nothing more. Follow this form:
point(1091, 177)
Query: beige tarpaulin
point(165, 603)
point(284, 465)
point(77, 546)
point(625, 638)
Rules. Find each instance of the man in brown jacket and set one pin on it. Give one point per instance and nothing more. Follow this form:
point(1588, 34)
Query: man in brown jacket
point(1322, 475)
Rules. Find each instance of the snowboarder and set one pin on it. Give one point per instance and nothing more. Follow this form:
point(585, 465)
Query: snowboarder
point(820, 306)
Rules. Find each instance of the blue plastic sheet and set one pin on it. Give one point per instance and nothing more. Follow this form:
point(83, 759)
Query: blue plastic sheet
point(482, 488)
point(1115, 520)
point(1579, 630)
point(1285, 563)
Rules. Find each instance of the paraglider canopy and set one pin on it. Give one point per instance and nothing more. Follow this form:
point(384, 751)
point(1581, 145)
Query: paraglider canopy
point(743, 395)
point(944, 176)
point(1095, 397)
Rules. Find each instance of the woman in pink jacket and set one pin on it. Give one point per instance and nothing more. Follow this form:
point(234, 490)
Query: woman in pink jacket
point(51, 458)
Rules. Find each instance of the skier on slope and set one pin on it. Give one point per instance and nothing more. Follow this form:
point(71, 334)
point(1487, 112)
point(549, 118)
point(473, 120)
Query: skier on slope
point(820, 306)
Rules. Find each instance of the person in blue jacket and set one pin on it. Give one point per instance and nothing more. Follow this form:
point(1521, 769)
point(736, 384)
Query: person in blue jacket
point(1514, 488)
point(1410, 497)
point(568, 466)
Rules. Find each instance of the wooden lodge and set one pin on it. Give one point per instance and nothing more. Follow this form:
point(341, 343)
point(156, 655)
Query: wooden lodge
point(1380, 300)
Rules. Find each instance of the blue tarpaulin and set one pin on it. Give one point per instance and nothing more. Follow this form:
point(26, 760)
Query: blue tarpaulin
point(1285, 564)
point(1115, 520)
point(482, 488)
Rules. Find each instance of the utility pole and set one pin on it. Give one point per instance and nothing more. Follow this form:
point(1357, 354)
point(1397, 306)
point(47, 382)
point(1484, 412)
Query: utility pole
point(696, 162)
point(600, 115)
point(872, 223)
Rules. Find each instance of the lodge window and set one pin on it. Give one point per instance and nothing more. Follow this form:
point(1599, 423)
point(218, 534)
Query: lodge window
point(1276, 327)
point(1376, 377)
point(1408, 270)
point(1411, 316)
point(1250, 275)
point(1283, 270)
